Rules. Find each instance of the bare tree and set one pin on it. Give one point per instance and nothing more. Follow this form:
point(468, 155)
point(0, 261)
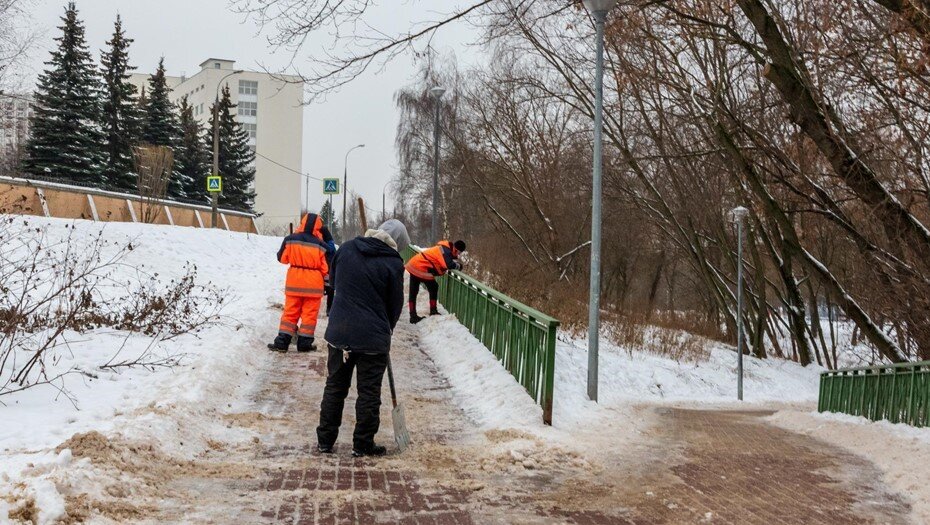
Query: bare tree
point(153, 170)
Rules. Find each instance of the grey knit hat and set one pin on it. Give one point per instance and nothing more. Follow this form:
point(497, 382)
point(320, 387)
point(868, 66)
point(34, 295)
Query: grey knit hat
point(397, 231)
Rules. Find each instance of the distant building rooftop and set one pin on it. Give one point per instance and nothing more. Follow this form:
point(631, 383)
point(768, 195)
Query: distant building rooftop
point(217, 63)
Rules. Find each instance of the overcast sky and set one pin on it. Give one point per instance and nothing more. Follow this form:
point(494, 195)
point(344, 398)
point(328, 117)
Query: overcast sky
point(186, 32)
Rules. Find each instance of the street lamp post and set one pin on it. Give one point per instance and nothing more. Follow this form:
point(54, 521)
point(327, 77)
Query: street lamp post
point(345, 186)
point(215, 196)
point(384, 201)
point(738, 215)
point(598, 9)
point(437, 93)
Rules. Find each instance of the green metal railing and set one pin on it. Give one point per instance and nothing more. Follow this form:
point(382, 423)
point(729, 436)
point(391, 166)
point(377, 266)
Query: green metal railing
point(899, 393)
point(520, 337)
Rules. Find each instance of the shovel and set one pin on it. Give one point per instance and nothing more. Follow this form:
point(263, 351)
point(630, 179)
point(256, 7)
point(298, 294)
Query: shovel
point(401, 436)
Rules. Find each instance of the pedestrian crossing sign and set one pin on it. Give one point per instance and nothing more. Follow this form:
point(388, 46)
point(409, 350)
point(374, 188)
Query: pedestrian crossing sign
point(330, 186)
point(215, 184)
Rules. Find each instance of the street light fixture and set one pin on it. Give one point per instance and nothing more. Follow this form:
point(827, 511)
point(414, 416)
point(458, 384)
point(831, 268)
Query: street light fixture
point(345, 186)
point(598, 9)
point(215, 197)
point(738, 215)
point(437, 93)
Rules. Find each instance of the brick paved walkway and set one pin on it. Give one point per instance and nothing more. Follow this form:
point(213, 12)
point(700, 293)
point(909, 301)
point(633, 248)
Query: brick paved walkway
point(692, 467)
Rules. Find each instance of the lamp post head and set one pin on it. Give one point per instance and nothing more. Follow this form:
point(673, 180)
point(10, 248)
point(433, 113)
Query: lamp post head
point(437, 92)
point(599, 6)
point(360, 146)
point(738, 214)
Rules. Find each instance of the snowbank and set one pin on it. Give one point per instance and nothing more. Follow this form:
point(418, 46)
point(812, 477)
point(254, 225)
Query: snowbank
point(136, 401)
point(494, 399)
point(902, 452)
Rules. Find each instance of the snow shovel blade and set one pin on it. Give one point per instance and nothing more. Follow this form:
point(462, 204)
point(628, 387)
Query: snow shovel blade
point(401, 436)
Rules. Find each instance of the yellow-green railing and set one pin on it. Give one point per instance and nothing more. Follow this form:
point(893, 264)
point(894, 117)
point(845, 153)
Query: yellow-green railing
point(520, 337)
point(899, 393)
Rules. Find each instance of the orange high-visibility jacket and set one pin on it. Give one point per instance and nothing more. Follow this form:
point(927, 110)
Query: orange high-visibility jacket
point(305, 251)
point(433, 262)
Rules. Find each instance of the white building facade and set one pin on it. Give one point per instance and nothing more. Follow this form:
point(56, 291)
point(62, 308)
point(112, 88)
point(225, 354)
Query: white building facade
point(15, 112)
point(270, 109)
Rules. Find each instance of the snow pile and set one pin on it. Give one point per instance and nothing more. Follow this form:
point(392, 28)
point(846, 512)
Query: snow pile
point(902, 452)
point(494, 399)
point(177, 405)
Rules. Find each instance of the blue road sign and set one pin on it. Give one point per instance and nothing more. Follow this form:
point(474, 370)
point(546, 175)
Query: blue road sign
point(214, 184)
point(330, 186)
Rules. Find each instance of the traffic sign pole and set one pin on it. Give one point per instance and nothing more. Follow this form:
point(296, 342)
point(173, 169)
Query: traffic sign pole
point(214, 187)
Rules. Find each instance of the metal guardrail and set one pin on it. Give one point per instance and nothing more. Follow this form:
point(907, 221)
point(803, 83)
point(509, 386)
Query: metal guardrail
point(520, 337)
point(899, 393)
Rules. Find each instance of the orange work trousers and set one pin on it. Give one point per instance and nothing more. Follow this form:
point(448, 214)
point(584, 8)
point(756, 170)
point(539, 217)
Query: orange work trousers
point(300, 308)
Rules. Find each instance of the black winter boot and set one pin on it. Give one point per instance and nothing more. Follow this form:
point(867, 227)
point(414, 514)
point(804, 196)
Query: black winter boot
point(414, 318)
point(280, 343)
point(305, 344)
point(434, 311)
point(374, 450)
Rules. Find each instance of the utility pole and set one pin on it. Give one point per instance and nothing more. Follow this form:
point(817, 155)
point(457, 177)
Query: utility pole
point(437, 93)
point(215, 196)
point(598, 9)
point(384, 201)
point(345, 187)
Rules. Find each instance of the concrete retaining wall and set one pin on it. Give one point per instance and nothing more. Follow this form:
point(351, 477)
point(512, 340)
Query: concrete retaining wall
point(48, 199)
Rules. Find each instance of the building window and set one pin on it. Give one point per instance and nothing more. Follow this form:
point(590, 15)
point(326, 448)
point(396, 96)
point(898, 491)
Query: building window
point(251, 129)
point(248, 87)
point(248, 109)
point(216, 65)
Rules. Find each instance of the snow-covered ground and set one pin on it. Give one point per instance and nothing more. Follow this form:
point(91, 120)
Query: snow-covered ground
point(169, 404)
point(493, 398)
point(181, 407)
point(626, 378)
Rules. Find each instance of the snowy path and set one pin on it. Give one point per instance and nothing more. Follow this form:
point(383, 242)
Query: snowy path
point(227, 436)
point(689, 466)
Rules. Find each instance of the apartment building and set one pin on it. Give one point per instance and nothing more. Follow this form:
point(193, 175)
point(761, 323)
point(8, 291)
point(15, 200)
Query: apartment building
point(269, 109)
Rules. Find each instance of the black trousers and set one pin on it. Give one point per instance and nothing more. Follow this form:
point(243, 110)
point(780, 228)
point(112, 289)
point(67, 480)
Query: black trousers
point(431, 286)
point(328, 291)
point(370, 371)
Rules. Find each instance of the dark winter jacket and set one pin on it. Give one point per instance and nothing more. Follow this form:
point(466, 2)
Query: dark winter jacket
point(368, 277)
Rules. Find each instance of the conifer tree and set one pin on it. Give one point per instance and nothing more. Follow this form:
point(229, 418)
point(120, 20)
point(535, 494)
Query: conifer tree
point(66, 139)
point(120, 117)
point(191, 156)
point(236, 158)
point(161, 123)
point(328, 216)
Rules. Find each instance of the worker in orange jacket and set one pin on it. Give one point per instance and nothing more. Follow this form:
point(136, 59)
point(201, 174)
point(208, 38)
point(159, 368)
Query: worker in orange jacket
point(425, 267)
point(305, 252)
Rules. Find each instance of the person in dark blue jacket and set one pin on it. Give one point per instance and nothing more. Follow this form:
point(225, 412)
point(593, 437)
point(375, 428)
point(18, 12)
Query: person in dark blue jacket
point(367, 275)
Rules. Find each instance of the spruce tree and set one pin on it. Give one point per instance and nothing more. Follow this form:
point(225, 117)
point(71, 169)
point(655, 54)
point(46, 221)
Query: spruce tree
point(120, 116)
point(327, 215)
point(66, 139)
point(160, 123)
point(236, 159)
point(191, 157)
